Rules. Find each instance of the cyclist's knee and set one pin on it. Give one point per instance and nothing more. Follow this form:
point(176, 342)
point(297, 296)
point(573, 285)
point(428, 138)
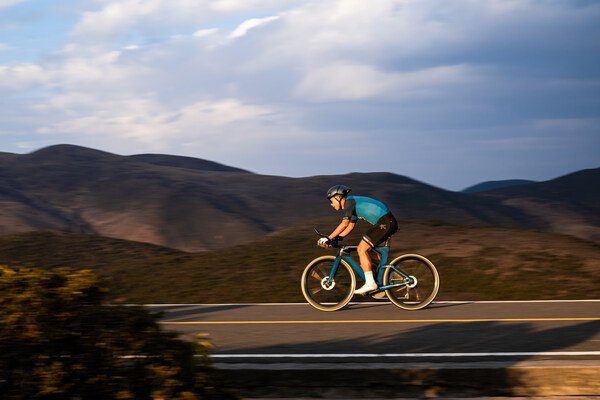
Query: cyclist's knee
point(363, 247)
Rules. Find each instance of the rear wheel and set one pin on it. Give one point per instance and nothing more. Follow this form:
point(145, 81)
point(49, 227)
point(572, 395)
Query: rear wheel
point(419, 282)
point(323, 294)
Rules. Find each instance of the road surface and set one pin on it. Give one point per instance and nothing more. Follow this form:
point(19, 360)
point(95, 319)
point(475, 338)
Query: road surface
point(378, 350)
point(521, 330)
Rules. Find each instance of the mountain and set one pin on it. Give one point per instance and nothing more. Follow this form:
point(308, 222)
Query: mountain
point(184, 162)
point(195, 205)
point(491, 185)
point(569, 204)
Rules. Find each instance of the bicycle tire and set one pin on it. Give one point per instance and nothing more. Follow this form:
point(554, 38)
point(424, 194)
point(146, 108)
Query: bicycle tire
point(314, 288)
point(427, 282)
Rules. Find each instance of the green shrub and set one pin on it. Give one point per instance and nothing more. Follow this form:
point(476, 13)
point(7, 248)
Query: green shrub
point(59, 341)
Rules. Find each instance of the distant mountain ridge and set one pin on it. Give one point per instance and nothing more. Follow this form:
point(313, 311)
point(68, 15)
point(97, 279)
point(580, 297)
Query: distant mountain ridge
point(568, 204)
point(191, 204)
point(492, 185)
point(184, 162)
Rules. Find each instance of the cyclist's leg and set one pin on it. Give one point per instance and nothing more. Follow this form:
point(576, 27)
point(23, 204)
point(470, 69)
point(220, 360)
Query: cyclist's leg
point(365, 263)
point(363, 255)
point(380, 232)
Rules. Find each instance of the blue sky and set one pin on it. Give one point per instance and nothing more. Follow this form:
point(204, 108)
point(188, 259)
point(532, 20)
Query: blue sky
point(451, 93)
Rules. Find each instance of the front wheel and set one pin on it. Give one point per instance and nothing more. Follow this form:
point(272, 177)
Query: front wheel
point(417, 282)
point(321, 292)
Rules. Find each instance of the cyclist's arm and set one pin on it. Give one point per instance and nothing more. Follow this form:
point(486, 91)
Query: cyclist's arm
point(348, 222)
point(348, 229)
point(341, 228)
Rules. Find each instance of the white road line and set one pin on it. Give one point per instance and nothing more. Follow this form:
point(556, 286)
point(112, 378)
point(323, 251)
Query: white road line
point(359, 303)
point(414, 355)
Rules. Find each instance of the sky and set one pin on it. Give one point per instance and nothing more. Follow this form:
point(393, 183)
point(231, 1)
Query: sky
point(450, 93)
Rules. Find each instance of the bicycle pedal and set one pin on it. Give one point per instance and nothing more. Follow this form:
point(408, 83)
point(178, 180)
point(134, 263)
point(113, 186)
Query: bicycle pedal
point(379, 295)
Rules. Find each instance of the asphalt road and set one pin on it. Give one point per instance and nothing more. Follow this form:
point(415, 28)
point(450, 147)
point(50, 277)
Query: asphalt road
point(514, 331)
point(371, 350)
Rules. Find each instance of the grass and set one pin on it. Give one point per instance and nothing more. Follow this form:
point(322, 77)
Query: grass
point(475, 263)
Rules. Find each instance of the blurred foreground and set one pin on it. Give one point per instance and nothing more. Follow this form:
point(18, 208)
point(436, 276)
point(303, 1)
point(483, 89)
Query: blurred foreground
point(59, 341)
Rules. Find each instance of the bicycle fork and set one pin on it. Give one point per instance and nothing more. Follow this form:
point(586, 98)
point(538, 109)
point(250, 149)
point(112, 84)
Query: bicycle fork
point(336, 265)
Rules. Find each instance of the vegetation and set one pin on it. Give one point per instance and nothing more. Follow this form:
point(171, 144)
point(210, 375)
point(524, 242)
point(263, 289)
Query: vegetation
point(475, 263)
point(59, 341)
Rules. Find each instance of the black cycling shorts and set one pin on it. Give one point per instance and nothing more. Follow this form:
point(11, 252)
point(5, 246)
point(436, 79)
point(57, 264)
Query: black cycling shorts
point(381, 231)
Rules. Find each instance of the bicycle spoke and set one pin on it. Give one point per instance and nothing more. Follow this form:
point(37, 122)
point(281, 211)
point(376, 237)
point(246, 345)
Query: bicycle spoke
point(315, 275)
point(316, 290)
point(323, 293)
point(417, 295)
point(420, 287)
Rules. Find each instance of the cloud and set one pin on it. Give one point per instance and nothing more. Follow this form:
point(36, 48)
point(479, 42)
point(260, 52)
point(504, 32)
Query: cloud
point(21, 76)
point(9, 3)
point(295, 77)
point(122, 94)
point(341, 82)
point(205, 32)
point(344, 82)
point(245, 26)
point(147, 121)
point(149, 20)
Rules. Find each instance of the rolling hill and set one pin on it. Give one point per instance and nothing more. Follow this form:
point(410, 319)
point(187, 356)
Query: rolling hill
point(195, 205)
point(492, 185)
point(475, 263)
point(569, 204)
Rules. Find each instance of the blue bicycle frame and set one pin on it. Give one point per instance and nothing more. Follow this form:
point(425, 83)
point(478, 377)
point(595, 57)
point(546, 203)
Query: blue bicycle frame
point(384, 252)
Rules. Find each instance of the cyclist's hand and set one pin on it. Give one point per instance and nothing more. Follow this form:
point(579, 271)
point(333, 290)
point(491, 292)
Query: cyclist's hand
point(324, 242)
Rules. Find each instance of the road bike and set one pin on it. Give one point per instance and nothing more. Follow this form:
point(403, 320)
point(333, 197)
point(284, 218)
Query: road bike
point(410, 281)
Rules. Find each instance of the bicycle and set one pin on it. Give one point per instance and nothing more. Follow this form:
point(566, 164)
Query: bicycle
point(410, 281)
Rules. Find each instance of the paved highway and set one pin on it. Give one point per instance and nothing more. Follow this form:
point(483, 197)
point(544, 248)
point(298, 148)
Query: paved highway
point(379, 331)
point(377, 350)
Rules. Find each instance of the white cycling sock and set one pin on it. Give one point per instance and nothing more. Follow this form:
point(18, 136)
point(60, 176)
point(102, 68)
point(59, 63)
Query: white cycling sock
point(369, 278)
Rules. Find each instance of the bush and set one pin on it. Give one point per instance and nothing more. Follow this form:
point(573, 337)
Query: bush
point(58, 341)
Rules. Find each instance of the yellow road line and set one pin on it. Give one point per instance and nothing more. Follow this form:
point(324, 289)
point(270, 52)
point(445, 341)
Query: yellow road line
point(375, 321)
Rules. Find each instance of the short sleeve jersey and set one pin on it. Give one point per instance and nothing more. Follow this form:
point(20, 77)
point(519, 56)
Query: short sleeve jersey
point(360, 207)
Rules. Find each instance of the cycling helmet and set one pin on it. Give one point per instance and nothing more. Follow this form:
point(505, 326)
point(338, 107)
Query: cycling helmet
point(338, 189)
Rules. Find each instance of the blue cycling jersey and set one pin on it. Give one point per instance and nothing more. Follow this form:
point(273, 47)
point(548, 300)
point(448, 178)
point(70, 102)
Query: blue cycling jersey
point(361, 207)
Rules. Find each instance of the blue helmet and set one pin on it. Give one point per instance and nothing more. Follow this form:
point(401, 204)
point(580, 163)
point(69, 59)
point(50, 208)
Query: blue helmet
point(338, 189)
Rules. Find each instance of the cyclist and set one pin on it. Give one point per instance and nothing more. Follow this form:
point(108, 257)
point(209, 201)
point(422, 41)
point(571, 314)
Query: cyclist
point(372, 211)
